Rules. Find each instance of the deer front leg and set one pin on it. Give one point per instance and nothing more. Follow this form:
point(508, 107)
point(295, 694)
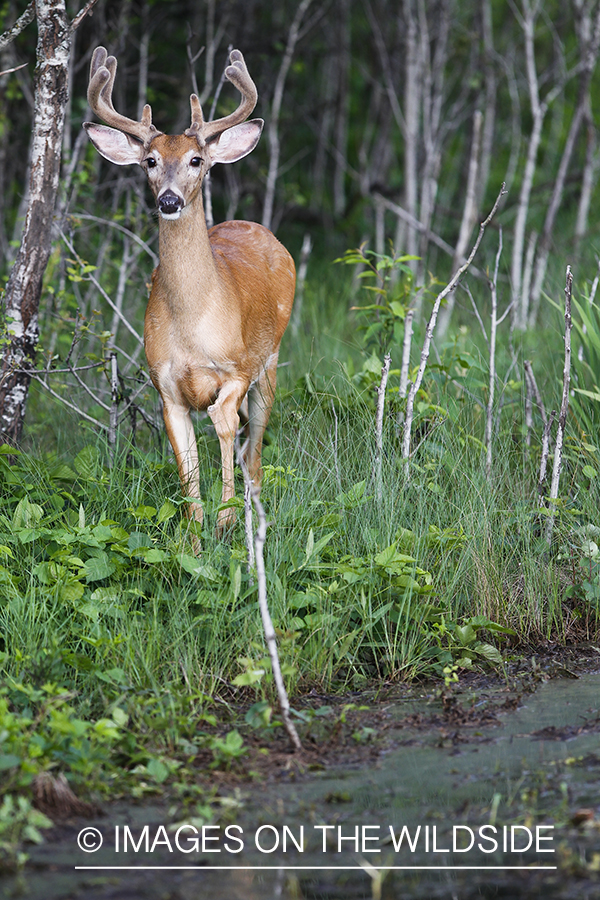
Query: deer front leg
point(224, 416)
point(180, 432)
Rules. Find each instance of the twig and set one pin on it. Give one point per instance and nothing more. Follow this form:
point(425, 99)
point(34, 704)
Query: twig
point(403, 214)
point(134, 237)
point(86, 10)
point(564, 406)
point(273, 127)
point(269, 631)
point(300, 282)
point(97, 284)
point(79, 411)
point(536, 391)
point(429, 333)
point(249, 531)
point(528, 409)
point(14, 69)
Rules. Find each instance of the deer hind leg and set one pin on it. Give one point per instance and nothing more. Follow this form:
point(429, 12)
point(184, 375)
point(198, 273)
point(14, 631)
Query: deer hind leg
point(180, 432)
point(224, 416)
point(260, 402)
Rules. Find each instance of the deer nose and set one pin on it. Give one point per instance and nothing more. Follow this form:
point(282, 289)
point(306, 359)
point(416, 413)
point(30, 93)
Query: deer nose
point(170, 203)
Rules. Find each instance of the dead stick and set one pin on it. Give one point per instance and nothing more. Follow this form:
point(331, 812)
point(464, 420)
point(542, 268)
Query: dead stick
point(410, 402)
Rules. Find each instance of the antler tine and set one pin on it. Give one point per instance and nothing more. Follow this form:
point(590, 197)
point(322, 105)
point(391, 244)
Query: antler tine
point(102, 78)
point(238, 74)
point(195, 129)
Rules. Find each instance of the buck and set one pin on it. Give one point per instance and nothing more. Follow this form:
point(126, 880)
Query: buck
point(221, 298)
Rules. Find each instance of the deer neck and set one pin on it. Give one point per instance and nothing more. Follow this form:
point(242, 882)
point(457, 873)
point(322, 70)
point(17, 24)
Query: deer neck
point(187, 270)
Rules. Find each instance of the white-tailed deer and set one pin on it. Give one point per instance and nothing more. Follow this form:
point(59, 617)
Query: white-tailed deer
point(220, 299)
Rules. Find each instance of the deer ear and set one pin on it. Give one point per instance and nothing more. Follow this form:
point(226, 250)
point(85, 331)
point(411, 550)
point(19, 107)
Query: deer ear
point(236, 142)
point(116, 146)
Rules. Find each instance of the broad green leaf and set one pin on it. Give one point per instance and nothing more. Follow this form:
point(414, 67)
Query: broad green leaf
point(167, 511)
point(86, 462)
point(138, 539)
point(98, 567)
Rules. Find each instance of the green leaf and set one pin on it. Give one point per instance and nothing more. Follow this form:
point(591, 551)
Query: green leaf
point(167, 511)
point(489, 652)
point(154, 555)
point(157, 770)
point(193, 565)
point(236, 582)
point(259, 714)
point(9, 761)
point(86, 462)
point(26, 514)
point(138, 539)
point(356, 495)
point(143, 512)
point(71, 591)
point(249, 677)
point(119, 716)
point(98, 567)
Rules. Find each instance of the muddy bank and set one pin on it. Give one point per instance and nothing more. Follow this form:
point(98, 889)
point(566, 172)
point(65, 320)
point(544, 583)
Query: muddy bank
point(491, 790)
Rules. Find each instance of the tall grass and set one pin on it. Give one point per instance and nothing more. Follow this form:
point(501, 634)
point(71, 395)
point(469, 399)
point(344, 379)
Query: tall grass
point(98, 588)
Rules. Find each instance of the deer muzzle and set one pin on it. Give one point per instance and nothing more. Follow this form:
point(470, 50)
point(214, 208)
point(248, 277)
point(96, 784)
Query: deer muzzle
point(170, 204)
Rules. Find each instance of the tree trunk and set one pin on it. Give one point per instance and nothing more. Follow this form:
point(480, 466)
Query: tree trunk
point(25, 282)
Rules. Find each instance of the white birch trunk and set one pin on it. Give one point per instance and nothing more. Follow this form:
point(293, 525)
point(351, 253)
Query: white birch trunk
point(25, 282)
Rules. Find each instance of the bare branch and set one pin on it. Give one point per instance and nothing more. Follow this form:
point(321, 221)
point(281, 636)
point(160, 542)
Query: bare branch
point(97, 284)
point(85, 11)
point(418, 226)
point(429, 333)
point(38, 377)
point(20, 25)
point(14, 69)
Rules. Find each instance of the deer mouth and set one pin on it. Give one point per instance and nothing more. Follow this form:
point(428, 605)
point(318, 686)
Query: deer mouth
point(170, 205)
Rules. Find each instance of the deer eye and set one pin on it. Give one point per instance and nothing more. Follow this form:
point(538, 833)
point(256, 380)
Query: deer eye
point(196, 162)
point(150, 162)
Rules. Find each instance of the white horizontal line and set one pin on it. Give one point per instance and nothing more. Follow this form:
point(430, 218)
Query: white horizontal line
point(201, 868)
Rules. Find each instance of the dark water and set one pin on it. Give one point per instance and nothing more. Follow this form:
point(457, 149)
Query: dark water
point(474, 808)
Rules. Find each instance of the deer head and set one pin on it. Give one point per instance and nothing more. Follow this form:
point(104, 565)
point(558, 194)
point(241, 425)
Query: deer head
point(175, 165)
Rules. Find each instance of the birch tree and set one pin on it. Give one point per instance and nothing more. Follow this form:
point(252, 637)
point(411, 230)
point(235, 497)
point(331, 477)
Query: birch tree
point(24, 288)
